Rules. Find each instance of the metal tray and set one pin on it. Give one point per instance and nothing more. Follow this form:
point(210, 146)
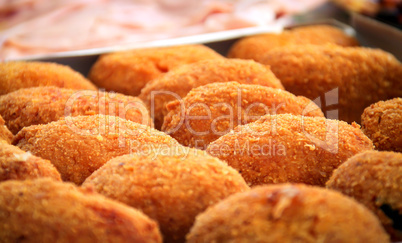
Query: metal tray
point(373, 33)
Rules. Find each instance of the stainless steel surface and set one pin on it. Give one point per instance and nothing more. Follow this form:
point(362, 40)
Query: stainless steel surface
point(373, 33)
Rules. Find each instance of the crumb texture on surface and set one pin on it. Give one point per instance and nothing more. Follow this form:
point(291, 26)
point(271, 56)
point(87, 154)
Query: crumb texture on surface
point(374, 179)
point(171, 189)
point(213, 110)
point(128, 72)
point(77, 146)
point(16, 164)
point(287, 213)
point(41, 105)
point(288, 148)
point(5, 133)
point(44, 210)
point(255, 47)
point(175, 84)
point(382, 123)
point(361, 76)
point(19, 74)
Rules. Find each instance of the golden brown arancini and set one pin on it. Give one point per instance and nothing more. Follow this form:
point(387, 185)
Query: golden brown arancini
point(170, 188)
point(374, 179)
point(178, 82)
point(287, 213)
point(362, 76)
point(16, 164)
point(45, 210)
point(254, 47)
point(41, 105)
point(77, 146)
point(5, 134)
point(288, 148)
point(18, 75)
point(212, 110)
point(382, 123)
point(128, 72)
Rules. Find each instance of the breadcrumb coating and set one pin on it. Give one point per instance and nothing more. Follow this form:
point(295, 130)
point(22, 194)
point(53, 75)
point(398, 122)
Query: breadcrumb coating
point(382, 123)
point(45, 210)
point(288, 148)
point(212, 110)
point(287, 213)
point(374, 179)
point(5, 134)
point(362, 76)
point(255, 47)
point(19, 74)
point(178, 82)
point(16, 164)
point(171, 189)
point(128, 72)
point(41, 105)
point(77, 146)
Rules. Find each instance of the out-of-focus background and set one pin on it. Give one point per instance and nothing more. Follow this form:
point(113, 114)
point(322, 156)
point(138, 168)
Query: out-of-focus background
point(32, 27)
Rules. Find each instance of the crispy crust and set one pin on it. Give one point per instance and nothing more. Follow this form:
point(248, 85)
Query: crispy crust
point(224, 106)
point(362, 75)
point(181, 80)
point(128, 72)
point(382, 123)
point(288, 148)
point(44, 210)
point(254, 47)
point(42, 105)
point(5, 134)
point(16, 164)
point(171, 189)
point(19, 75)
point(287, 213)
point(77, 146)
point(373, 178)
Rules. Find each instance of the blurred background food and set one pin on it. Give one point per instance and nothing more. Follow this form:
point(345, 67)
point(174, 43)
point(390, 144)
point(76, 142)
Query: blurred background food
point(33, 27)
point(29, 27)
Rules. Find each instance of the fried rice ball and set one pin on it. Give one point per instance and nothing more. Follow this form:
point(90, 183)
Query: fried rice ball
point(255, 47)
point(16, 164)
point(19, 74)
point(5, 134)
point(41, 105)
point(177, 83)
point(382, 123)
point(224, 106)
point(77, 146)
point(45, 210)
point(362, 75)
point(288, 148)
point(171, 189)
point(287, 213)
point(128, 72)
point(374, 179)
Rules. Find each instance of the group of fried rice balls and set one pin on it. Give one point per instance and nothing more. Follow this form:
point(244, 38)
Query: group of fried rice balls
point(181, 144)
